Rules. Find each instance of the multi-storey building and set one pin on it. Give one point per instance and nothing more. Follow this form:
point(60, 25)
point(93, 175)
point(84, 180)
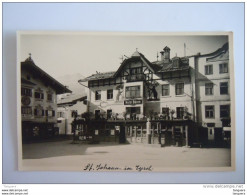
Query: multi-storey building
point(213, 98)
point(182, 95)
point(67, 107)
point(140, 89)
point(38, 101)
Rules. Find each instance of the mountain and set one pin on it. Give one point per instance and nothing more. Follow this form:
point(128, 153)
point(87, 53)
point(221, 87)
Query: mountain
point(71, 81)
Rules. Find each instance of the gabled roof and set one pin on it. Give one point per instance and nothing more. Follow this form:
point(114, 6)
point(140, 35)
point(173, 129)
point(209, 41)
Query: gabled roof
point(30, 66)
point(137, 55)
point(98, 76)
point(219, 51)
point(71, 99)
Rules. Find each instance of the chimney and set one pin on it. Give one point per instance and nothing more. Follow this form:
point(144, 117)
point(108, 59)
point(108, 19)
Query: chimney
point(165, 55)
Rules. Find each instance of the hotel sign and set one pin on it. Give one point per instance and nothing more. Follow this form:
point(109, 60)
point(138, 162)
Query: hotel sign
point(132, 102)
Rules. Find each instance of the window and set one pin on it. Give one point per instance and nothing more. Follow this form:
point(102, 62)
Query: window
point(209, 88)
point(50, 113)
point(26, 92)
point(74, 113)
point(132, 92)
point(97, 114)
point(165, 90)
point(110, 94)
point(179, 88)
point(98, 95)
point(60, 114)
point(180, 112)
point(39, 95)
point(26, 110)
point(224, 88)
point(208, 69)
point(49, 97)
point(209, 111)
point(134, 71)
point(38, 112)
point(223, 68)
point(109, 114)
point(225, 111)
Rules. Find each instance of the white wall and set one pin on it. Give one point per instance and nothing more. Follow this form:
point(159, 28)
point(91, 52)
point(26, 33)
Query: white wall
point(43, 102)
point(67, 113)
point(216, 99)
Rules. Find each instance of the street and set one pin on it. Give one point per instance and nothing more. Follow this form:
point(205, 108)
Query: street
point(65, 156)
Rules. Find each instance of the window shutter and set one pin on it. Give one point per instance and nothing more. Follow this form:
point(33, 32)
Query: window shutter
point(43, 112)
point(35, 112)
point(46, 112)
point(53, 112)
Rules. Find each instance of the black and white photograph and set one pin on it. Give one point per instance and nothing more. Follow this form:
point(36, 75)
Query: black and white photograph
point(126, 102)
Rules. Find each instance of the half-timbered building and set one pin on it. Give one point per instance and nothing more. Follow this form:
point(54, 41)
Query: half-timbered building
point(162, 91)
point(182, 100)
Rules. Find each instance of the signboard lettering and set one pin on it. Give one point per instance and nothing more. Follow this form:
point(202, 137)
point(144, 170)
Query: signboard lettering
point(132, 102)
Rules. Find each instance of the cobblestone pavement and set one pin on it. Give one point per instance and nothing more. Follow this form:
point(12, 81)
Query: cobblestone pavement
point(63, 155)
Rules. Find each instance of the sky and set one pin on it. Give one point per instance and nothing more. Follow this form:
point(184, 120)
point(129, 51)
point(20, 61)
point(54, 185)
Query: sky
point(62, 54)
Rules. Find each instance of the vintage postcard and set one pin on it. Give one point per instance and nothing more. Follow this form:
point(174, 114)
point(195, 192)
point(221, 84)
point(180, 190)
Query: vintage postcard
point(142, 102)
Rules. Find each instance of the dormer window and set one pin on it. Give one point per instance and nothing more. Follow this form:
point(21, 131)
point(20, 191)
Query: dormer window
point(175, 62)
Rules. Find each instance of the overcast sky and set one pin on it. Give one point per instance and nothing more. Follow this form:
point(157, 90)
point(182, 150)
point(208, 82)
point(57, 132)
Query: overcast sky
point(68, 54)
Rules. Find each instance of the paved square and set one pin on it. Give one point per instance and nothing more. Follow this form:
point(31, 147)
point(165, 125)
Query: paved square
point(63, 155)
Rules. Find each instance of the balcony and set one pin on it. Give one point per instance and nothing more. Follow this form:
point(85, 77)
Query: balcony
point(136, 77)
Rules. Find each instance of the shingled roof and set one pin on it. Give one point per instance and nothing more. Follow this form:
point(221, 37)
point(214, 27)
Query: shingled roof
point(30, 66)
point(71, 99)
point(156, 67)
point(104, 75)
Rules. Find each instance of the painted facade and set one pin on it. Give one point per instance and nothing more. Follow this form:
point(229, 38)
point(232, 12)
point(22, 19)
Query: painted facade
point(38, 101)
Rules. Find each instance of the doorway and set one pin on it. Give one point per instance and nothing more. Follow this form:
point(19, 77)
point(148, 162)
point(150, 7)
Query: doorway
point(122, 137)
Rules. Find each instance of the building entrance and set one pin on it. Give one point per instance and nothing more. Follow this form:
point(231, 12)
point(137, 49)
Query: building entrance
point(122, 137)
